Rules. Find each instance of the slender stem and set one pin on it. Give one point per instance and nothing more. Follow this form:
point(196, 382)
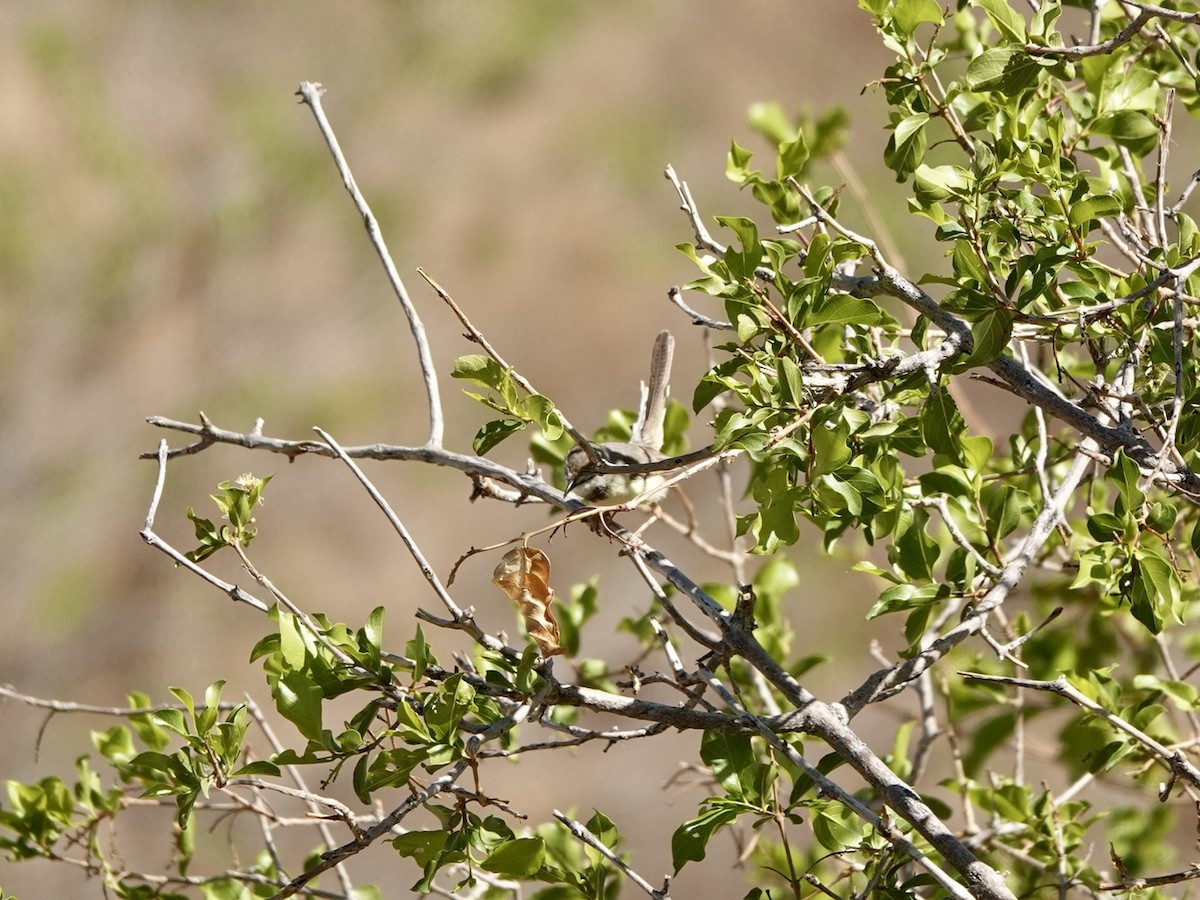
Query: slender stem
point(580, 831)
point(310, 94)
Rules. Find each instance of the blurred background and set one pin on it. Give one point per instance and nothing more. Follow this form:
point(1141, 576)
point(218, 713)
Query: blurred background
point(174, 238)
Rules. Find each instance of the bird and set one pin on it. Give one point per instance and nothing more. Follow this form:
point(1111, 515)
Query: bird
point(591, 479)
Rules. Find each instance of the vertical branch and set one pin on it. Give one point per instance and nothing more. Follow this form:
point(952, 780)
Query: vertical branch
point(1160, 187)
point(1160, 179)
point(310, 94)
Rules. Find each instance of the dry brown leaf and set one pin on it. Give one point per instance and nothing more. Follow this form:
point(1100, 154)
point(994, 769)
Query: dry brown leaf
point(524, 574)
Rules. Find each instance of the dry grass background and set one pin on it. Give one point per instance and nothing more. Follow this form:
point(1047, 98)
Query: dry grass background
point(174, 238)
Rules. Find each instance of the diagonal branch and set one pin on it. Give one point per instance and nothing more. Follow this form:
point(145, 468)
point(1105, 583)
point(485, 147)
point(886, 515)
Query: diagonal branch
point(887, 682)
point(1174, 760)
point(580, 832)
point(310, 94)
point(831, 788)
point(443, 782)
point(830, 724)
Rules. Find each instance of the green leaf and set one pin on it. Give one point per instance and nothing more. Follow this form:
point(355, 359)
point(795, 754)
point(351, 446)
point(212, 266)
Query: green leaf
point(906, 147)
point(1131, 88)
point(1091, 208)
point(1124, 473)
point(902, 597)
point(602, 827)
point(519, 858)
point(791, 378)
point(258, 767)
point(1129, 127)
point(541, 410)
point(776, 578)
point(373, 630)
point(184, 697)
point(830, 447)
point(793, 156)
point(421, 846)
point(908, 14)
point(293, 643)
point(966, 262)
point(1008, 72)
point(690, 840)
point(936, 184)
point(1161, 517)
point(743, 262)
point(842, 309)
point(730, 756)
point(990, 336)
point(942, 425)
point(769, 120)
point(221, 889)
point(1140, 592)
point(835, 825)
point(1184, 696)
point(1003, 504)
point(1104, 526)
point(116, 744)
point(737, 165)
point(836, 494)
point(1162, 581)
point(977, 453)
point(419, 651)
point(1006, 20)
point(298, 700)
point(445, 709)
point(172, 720)
point(493, 433)
point(207, 717)
point(207, 534)
point(480, 369)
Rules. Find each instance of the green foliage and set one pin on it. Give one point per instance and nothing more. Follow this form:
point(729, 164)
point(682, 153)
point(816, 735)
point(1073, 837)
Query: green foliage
point(505, 398)
point(236, 503)
point(855, 397)
point(549, 856)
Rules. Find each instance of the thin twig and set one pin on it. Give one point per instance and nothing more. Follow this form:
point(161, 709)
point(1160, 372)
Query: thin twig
point(151, 537)
point(310, 94)
point(459, 615)
point(1151, 881)
point(940, 504)
point(675, 295)
point(1079, 52)
point(66, 706)
point(1175, 761)
point(478, 337)
point(313, 803)
point(580, 831)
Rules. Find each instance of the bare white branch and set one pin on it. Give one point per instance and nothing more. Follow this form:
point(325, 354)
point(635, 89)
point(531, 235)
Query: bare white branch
point(310, 94)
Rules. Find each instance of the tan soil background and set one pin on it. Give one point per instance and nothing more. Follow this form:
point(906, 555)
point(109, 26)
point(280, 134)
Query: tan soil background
point(173, 237)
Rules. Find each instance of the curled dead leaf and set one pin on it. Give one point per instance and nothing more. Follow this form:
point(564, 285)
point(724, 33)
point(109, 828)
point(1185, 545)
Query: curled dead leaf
point(524, 574)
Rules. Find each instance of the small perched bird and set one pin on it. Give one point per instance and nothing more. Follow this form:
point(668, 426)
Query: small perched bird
point(586, 481)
